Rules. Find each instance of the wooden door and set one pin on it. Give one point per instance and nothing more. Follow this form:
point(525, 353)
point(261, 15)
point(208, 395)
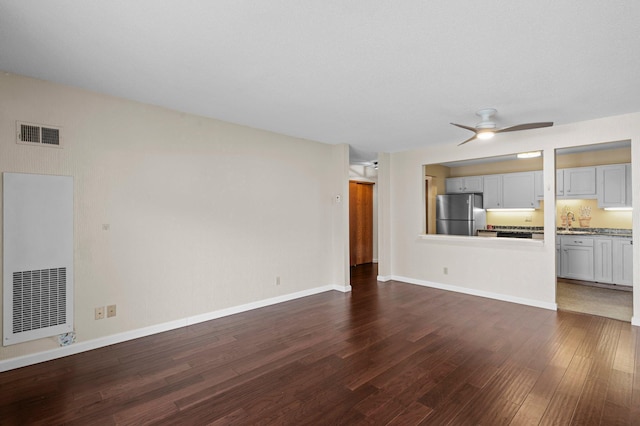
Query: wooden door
point(360, 222)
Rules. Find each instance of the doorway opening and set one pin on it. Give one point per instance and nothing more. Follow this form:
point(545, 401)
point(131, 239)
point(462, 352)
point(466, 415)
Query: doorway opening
point(594, 245)
point(360, 222)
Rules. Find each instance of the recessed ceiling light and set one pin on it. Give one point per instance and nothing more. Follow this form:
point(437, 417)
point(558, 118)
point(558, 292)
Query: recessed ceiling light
point(532, 154)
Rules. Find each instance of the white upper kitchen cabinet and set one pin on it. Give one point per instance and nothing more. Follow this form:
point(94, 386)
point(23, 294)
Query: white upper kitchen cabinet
point(492, 194)
point(460, 185)
point(579, 182)
point(629, 184)
point(559, 183)
point(539, 185)
point(612, 185)
point(518, 190)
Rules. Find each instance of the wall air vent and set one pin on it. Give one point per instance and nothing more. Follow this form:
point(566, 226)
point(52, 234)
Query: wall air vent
point(39, 299)
point(38, 134)
point(37, 239)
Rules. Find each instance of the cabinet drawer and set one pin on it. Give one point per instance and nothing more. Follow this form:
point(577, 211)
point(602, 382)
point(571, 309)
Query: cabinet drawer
point(577, 241)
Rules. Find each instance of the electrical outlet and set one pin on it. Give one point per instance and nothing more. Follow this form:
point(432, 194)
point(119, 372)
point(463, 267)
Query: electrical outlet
point(99, 313)
point(111, 311)
point(277, 280)
point(445, 270)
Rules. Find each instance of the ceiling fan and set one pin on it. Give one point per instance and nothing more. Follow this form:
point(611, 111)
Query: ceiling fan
point(486, 128)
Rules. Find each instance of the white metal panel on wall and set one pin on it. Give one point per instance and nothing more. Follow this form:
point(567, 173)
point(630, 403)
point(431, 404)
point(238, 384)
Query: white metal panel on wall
point(37, 256)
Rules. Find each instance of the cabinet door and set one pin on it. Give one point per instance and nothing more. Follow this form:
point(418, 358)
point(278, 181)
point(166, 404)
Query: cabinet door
point(612, 185)
point(473, 184)
point(453, 185)
point(558, 259)
point(559, 183)
point(577, 262)
point(518, 190)
point(623, 261)
point(602, 258)
point(539, 184)
point(629, 184)
point(580, 181)
point(492, 194)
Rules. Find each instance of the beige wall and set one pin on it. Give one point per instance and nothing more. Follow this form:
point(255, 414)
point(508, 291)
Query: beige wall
point(600, 217)
point(517, 271)
point(594, 158)
point(203, 214)
point(508, 166)
point(436, 176)
point(581, 159)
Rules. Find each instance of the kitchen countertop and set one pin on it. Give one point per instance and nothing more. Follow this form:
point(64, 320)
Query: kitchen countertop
point(609, 232)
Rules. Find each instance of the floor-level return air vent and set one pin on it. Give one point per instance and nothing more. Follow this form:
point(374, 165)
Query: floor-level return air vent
point(39, 299)
point(37, 256)
point(38, 134)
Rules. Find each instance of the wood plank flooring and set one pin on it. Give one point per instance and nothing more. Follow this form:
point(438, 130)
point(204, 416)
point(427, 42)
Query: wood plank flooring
point(387, 353)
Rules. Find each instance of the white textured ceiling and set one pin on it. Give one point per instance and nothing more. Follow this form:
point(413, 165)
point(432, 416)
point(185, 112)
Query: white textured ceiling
point(379, 75)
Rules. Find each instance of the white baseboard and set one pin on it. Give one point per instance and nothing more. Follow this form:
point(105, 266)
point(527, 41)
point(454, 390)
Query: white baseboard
point(384, 278)
point(635, 321)
point(342, 288)
point(481, 293)
point(30, 359)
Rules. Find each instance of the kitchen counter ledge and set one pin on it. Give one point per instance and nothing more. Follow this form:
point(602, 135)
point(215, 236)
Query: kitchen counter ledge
point(482, 241)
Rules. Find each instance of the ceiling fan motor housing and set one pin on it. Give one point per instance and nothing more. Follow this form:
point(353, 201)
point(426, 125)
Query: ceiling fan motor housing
point(485, 115)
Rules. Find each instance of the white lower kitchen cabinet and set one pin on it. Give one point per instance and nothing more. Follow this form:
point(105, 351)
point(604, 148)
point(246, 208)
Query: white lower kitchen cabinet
point(602, 260)
point(622, 251)
point(577, 258)
point(558, 259)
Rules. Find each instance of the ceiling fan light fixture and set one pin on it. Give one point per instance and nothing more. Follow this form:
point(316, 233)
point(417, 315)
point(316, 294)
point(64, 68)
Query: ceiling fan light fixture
point(485, 135)
point(531, 154)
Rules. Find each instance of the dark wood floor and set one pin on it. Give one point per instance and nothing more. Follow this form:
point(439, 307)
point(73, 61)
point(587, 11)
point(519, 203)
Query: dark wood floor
point(387, 353)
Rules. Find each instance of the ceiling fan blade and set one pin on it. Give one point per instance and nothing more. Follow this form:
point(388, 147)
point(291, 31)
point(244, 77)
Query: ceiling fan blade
point(527, 126)
point(473, 129)
point(468, 140)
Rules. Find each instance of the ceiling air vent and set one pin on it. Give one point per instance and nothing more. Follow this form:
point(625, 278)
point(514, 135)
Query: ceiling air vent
point(38, 134)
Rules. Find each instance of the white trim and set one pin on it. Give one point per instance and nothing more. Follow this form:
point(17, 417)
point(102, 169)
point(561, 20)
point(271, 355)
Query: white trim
point(635, 321)
point(30, 359)
point(384, 278)
point(482, 241)
point(342, 288)
point(481, 293)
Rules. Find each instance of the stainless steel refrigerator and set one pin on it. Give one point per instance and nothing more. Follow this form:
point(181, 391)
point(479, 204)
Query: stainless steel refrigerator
point(460, 214)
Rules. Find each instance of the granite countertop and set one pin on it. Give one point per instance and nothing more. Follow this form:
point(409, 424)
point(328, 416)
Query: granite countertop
point(610, 232)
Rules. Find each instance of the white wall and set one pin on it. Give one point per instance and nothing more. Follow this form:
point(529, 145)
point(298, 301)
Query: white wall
point(203, 214)
point(518, 271)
